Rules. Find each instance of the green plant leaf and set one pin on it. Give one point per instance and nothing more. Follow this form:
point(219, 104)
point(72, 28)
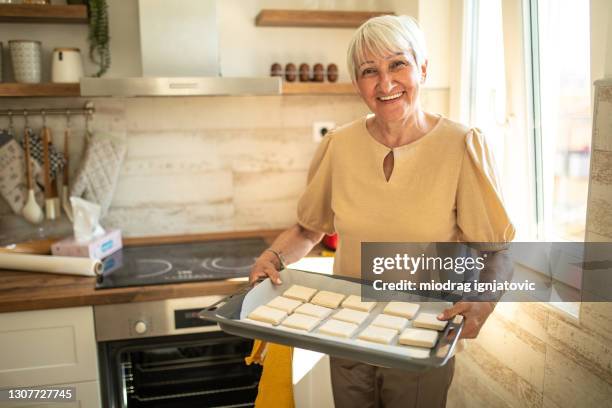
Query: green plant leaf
point(99, 51)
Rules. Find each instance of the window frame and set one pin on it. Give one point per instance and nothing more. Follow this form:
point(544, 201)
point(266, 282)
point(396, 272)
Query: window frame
point(524, 117)
point(534, 101)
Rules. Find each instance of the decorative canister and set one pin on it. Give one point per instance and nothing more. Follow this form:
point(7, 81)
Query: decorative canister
point(26, 60)
point(67, 65)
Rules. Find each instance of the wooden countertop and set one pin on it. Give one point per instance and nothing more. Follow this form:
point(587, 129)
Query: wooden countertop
point(21, 291)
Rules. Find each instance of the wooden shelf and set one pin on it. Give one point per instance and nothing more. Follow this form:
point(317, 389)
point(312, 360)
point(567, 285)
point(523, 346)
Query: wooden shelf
point(315, 18)
point(44, 89)
point(43, 13)
point(73, 90)
point(318, 88)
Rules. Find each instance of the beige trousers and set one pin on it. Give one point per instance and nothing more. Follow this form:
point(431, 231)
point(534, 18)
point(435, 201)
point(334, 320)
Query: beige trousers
point(365, 386)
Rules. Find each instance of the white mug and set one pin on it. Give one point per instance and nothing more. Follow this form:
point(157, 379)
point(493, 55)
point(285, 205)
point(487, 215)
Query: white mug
point(67, 65)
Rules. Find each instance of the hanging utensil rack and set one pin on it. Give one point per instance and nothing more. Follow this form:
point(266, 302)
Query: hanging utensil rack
point(87, 110)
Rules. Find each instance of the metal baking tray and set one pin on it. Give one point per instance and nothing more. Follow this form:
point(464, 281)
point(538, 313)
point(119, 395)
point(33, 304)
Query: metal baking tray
point(230, 313)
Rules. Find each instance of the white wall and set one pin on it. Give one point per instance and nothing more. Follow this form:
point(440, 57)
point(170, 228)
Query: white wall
point(124, 38)
point(435, 19)
point(250, 50)
point(247, 50)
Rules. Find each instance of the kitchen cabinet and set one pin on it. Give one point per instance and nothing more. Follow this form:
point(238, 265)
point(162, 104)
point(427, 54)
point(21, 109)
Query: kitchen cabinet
point(55, 347)
point(311, 379)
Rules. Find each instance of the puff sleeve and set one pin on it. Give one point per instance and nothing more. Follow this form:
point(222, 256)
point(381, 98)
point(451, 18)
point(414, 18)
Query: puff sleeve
point(481, 216)
point(314, 207)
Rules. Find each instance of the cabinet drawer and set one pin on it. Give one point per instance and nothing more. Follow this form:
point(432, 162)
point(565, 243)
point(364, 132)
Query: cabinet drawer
point(47, 347)
point(87, 396)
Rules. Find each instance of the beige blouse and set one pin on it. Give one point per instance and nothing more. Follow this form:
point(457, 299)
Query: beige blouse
point(443, 188)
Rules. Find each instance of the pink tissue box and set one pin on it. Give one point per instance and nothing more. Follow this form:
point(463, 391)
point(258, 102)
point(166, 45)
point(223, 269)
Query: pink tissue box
point(97, 248)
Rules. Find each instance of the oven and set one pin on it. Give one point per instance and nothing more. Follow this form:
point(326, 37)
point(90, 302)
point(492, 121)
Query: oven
point(160, 354)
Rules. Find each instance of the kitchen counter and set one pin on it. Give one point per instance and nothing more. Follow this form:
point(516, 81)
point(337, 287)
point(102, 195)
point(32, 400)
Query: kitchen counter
point(21, 291)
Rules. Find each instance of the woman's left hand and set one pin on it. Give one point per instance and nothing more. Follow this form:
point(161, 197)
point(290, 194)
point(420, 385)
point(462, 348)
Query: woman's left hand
point(474, 313)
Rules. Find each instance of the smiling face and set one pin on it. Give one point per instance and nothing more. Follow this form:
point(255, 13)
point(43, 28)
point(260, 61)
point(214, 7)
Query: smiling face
point(390, 85)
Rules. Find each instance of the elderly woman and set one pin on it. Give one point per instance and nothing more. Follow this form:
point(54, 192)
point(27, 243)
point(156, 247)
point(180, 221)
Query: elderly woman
point(398, 174)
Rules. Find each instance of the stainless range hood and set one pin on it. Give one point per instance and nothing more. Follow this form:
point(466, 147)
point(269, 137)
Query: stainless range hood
point(179, 47)
point(171, 86)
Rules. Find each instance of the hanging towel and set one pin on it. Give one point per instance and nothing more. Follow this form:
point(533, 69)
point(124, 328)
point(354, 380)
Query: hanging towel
point(56, 158)
point(98, 174)
point(276, 383)
point(13, 184)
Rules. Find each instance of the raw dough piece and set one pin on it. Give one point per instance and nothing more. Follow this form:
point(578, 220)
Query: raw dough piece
point(299, 292)
point(351, 316)
point(429, 321)
point(337, 328)
point(401, 309)
point(301, 322)
point(377, 334)
point(314, 310)
point(354, 302)
point(267, 315)
point(390, 322)
point(285, 304)
point(419, 337)
point(327, 299)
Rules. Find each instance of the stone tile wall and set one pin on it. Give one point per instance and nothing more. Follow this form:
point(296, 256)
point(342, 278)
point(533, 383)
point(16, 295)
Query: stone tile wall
point(202, 164)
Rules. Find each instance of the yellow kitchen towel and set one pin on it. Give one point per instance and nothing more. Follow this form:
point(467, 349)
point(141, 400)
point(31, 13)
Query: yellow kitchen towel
point(276, 383)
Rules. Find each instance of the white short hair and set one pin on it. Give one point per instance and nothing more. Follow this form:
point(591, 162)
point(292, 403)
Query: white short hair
point(384, 35)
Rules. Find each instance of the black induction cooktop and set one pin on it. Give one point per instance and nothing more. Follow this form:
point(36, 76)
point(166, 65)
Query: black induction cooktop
point(176, 263)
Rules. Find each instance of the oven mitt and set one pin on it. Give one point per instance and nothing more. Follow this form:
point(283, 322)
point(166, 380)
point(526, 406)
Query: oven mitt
point(13, 184)
point(97, 176)
point(36, 151)
point(276, 383)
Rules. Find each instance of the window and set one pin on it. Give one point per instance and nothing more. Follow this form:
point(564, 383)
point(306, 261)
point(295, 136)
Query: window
point(529, 90)
point(562, 109)
point(496, 100)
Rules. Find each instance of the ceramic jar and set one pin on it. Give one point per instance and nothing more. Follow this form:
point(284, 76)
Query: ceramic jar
point(67, 65)
point(26, 57)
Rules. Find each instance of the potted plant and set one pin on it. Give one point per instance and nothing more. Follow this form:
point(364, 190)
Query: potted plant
point(99, 51)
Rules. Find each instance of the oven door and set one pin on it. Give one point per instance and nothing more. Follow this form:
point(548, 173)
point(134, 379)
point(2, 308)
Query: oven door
point(195, 370)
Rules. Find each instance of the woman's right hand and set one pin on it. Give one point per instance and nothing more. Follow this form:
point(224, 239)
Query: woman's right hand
point(264, 268)
point(293, 243)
